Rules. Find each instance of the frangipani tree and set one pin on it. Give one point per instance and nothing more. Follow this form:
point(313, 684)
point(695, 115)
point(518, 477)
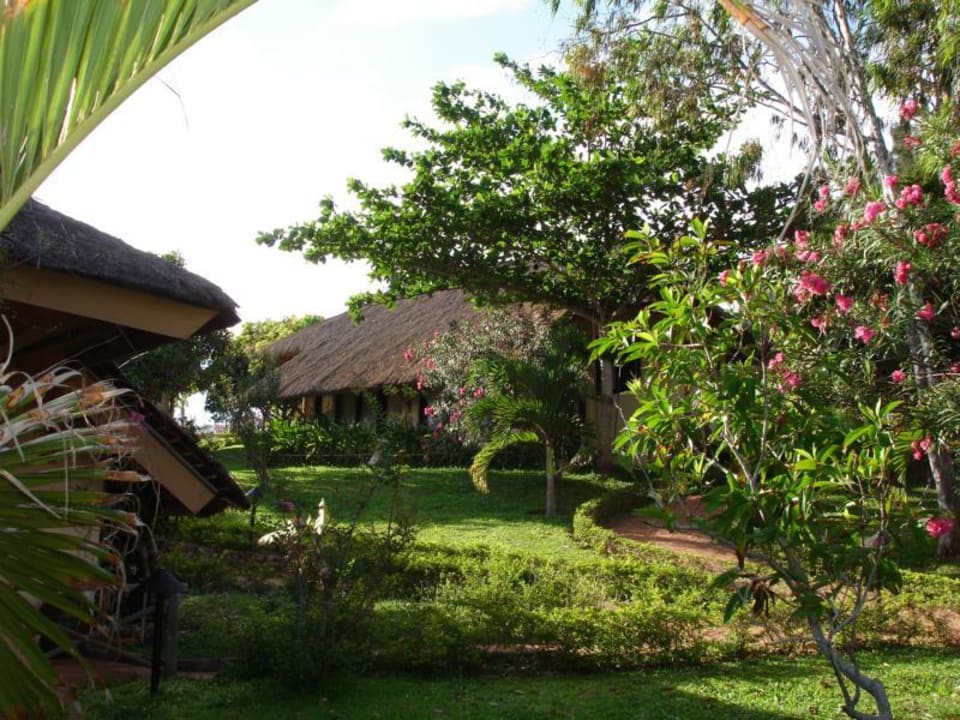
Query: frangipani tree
point(64, 66)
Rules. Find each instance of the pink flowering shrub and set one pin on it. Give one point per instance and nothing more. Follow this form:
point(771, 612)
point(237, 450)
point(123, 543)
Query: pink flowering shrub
point(447, 362)
point(800, 388)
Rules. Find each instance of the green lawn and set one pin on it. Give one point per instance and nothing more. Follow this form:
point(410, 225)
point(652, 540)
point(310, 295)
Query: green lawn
point(449, 514)
point(442, 503)
point(922, 685)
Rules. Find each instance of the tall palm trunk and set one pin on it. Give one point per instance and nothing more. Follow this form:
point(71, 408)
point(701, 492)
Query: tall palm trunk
point(551, 468)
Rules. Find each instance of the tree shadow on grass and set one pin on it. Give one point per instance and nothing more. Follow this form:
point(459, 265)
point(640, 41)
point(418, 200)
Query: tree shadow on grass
point(743, 692)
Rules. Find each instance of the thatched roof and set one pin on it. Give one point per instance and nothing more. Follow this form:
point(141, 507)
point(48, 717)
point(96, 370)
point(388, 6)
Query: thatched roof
point(45, 239)
point(337, 355)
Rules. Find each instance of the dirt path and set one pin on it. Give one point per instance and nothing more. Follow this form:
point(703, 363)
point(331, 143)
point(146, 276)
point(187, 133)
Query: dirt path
point(685, 539)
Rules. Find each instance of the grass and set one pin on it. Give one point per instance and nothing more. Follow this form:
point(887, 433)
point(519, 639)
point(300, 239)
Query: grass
point(449, 513)
point(923, 685)
point(441, 503)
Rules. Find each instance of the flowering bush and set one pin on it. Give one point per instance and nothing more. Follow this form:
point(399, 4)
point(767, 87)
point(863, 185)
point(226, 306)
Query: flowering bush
point(448, 363)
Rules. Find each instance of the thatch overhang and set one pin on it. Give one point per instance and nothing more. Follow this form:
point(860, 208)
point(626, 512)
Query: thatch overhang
point(338, 355)
point(191, 480)
point(72, 291)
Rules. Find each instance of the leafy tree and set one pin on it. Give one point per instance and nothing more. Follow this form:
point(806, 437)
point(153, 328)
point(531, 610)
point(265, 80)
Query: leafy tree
point(514, 375)
point(739, 395)
point(245, 385)
point(846, 48)
point(530, 202)
point(531, 399)
point(73, 63)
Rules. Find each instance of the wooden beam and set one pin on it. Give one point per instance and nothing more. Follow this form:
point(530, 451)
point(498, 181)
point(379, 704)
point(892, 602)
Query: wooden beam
point(111, 303)
point(173, 473)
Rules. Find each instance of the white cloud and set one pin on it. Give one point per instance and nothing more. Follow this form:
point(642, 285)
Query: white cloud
point(388, 13)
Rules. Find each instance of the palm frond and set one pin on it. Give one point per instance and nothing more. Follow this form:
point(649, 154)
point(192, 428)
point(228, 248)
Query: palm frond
point(56, 436)
point(480, 467)
point(64, 66)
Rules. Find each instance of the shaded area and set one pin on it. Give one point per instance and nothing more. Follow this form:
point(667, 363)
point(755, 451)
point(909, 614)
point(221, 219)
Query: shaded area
point(922, 684)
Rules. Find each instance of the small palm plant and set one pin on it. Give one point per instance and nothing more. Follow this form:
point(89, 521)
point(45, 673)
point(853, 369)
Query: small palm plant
point(535, 399)
point(59, 441)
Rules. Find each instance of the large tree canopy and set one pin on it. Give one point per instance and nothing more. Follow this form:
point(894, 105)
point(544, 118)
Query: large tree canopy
point(531, 201)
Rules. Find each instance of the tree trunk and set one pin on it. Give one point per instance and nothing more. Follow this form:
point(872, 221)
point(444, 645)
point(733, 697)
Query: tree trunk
point(943, 472)
point(551, 468)
point(847, 672)
point(940, 460)
point(606, 416)
point(165, 402)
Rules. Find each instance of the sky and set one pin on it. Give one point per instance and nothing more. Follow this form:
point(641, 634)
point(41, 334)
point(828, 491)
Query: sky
point(274, 110)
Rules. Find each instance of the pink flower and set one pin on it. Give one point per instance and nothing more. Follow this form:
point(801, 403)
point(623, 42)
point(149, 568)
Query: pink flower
point(408, 354)
point(789, 381)
point(820, 322)
point(910, 195)
point(820, 205)
point(724, 277)
point(891, 181)
point(921, 447)
point(926, 313)
point(864, 334)
point(951, 194)
point(911, 142)
point(419, 381)
point(901, 273)
point(853, 187)
point(463, 391)
point(824, 192)
point(873, 210)
point(775, 361)
point(286, 506)
point(908, 108)
point(937, 527)
point(813, 283)
point(840, 233)
point(844, 303)
point(955, 368)
point(950, 191)
point(808, 256)
point(898, 376)
point(802, 238)
point(479, 393)
point(931, 235)
point(955, 332)
point(759, 258)
point(429, 411)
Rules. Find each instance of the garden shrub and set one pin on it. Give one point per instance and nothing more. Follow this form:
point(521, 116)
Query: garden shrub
point(590, 517)
point(926, 611)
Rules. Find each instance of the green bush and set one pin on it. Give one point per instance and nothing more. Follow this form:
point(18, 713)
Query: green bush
point(589, 518)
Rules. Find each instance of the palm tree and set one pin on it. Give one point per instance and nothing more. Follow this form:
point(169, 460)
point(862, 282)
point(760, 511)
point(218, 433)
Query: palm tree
point(64, 66)
point(533, 399)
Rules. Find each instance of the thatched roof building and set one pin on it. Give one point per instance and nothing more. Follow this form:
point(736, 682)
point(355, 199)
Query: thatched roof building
point(338, 355)
point(92, 297)
point(74, 294)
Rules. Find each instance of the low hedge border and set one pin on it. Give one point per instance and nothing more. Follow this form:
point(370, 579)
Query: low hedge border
point(589, 519)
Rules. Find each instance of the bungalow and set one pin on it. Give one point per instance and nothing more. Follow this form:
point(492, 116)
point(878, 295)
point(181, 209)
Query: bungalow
point(72, 293)
point(332, 367)
point(329, 367)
